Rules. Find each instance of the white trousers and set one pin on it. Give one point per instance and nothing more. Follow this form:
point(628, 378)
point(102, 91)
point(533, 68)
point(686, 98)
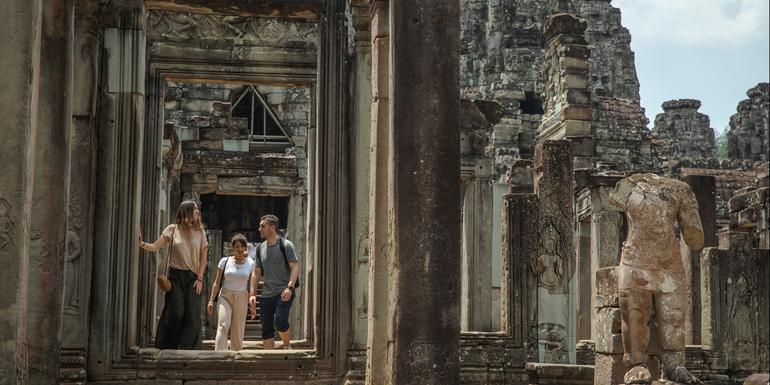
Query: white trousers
point(231, 314)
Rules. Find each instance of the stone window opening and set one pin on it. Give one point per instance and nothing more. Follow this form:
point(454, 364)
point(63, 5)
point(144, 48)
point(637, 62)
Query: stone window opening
point(264, 127)
point(532, 104)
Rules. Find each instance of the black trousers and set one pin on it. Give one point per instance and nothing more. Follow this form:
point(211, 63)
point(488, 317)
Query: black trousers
point(179, 326)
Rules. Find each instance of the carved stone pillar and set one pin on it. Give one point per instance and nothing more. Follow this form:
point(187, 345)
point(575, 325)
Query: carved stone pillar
point(606, 240)
point(476, 295)
point(50, 195)
point(380, 188)
point(567, 100)
point(424, 243)
point(519, 281)
point(735, 294)
point(77, 265)
point(360, 139)
point(555, 264)
point(118, 187)
point(20, 24)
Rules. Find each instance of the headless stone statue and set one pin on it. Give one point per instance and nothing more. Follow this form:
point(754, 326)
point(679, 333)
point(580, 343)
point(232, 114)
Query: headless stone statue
point(651, 271)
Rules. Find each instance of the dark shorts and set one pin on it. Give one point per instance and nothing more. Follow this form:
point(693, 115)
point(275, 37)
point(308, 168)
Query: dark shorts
point(274, 315)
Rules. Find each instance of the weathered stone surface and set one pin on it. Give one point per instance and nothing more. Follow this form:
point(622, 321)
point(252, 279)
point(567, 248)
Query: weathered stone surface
point(651, 269)
point(555, 264)
point(425, 192)
point(606, 287)
point(519, 248)
point(683, 132)
point(749, 134)
point(735, 295)
point(20, 24)
point(620, 132)
point(757, 379)
point(559, 374)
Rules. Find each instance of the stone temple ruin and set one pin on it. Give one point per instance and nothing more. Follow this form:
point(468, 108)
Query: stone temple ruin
point(445, 238)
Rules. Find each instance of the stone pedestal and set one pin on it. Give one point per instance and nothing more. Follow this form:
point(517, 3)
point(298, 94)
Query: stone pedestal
point(609, 365)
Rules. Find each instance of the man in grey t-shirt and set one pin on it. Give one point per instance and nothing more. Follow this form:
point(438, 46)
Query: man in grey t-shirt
point(279, 281)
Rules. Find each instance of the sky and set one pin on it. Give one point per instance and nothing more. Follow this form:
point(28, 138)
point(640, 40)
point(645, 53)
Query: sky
point(710, 50)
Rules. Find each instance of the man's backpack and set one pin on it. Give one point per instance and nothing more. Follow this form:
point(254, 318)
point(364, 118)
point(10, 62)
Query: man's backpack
point(282, 246)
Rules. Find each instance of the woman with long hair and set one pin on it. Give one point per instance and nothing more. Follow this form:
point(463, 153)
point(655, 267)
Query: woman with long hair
point(231, 293)
point(180, 321)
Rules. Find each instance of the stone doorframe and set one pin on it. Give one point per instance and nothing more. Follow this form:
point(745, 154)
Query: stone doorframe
point(123, 279)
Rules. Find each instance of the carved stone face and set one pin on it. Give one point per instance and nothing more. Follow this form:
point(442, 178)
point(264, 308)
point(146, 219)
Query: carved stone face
point(549, 244)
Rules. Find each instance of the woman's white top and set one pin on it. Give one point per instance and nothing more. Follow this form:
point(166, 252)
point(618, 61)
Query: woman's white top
point(236, 275)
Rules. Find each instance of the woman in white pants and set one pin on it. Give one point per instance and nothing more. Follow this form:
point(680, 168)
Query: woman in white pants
point(232, 277)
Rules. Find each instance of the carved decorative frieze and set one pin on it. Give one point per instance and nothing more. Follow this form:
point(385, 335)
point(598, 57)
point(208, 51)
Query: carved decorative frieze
point(180, 27)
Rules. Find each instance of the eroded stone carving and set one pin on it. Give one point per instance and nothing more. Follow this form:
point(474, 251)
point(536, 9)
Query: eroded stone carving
point(651, 271)
point(249, 31)
point(741, 324)
point(6, 224)
point(72, 273)
point(550, 265)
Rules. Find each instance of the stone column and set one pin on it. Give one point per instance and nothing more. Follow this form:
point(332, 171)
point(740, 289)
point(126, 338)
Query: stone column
point(116, 281)
point(567, 100)
point(360, 139)
point(297, 227)
point(77, 266)
point(606, 241)
point(556, 258)
point(424, 243)
point(704, 188)
point(360, 164)
point(20, 24)
point(735, 292)
point(380, 177)
point(519, 281)
point(50, 195)
point(476, 295)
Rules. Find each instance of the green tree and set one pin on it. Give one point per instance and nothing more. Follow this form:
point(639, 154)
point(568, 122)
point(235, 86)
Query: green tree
point(721, 143)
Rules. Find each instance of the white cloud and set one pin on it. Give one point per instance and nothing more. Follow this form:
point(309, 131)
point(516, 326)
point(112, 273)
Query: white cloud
point(696, 22)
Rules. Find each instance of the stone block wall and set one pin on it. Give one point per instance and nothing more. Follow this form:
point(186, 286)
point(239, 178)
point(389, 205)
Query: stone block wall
point(200, 114)
point(621, 136)
point(748, 137)
point(683, 132)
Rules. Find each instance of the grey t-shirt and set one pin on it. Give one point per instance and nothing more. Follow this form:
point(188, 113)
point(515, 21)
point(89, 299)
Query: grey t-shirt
point(275, 273)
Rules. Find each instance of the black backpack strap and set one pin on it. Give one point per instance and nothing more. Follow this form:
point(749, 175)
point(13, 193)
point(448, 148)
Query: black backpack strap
point(282, 246)
point(286, 259)
point(222, 281)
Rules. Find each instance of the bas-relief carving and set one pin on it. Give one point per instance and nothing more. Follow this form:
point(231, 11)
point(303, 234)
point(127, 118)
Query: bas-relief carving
point(72, 273)
point(741, 327)
point(244, 31)
point(6, 224)
point(550, 264)
point(552, 338)
point(437, 359)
